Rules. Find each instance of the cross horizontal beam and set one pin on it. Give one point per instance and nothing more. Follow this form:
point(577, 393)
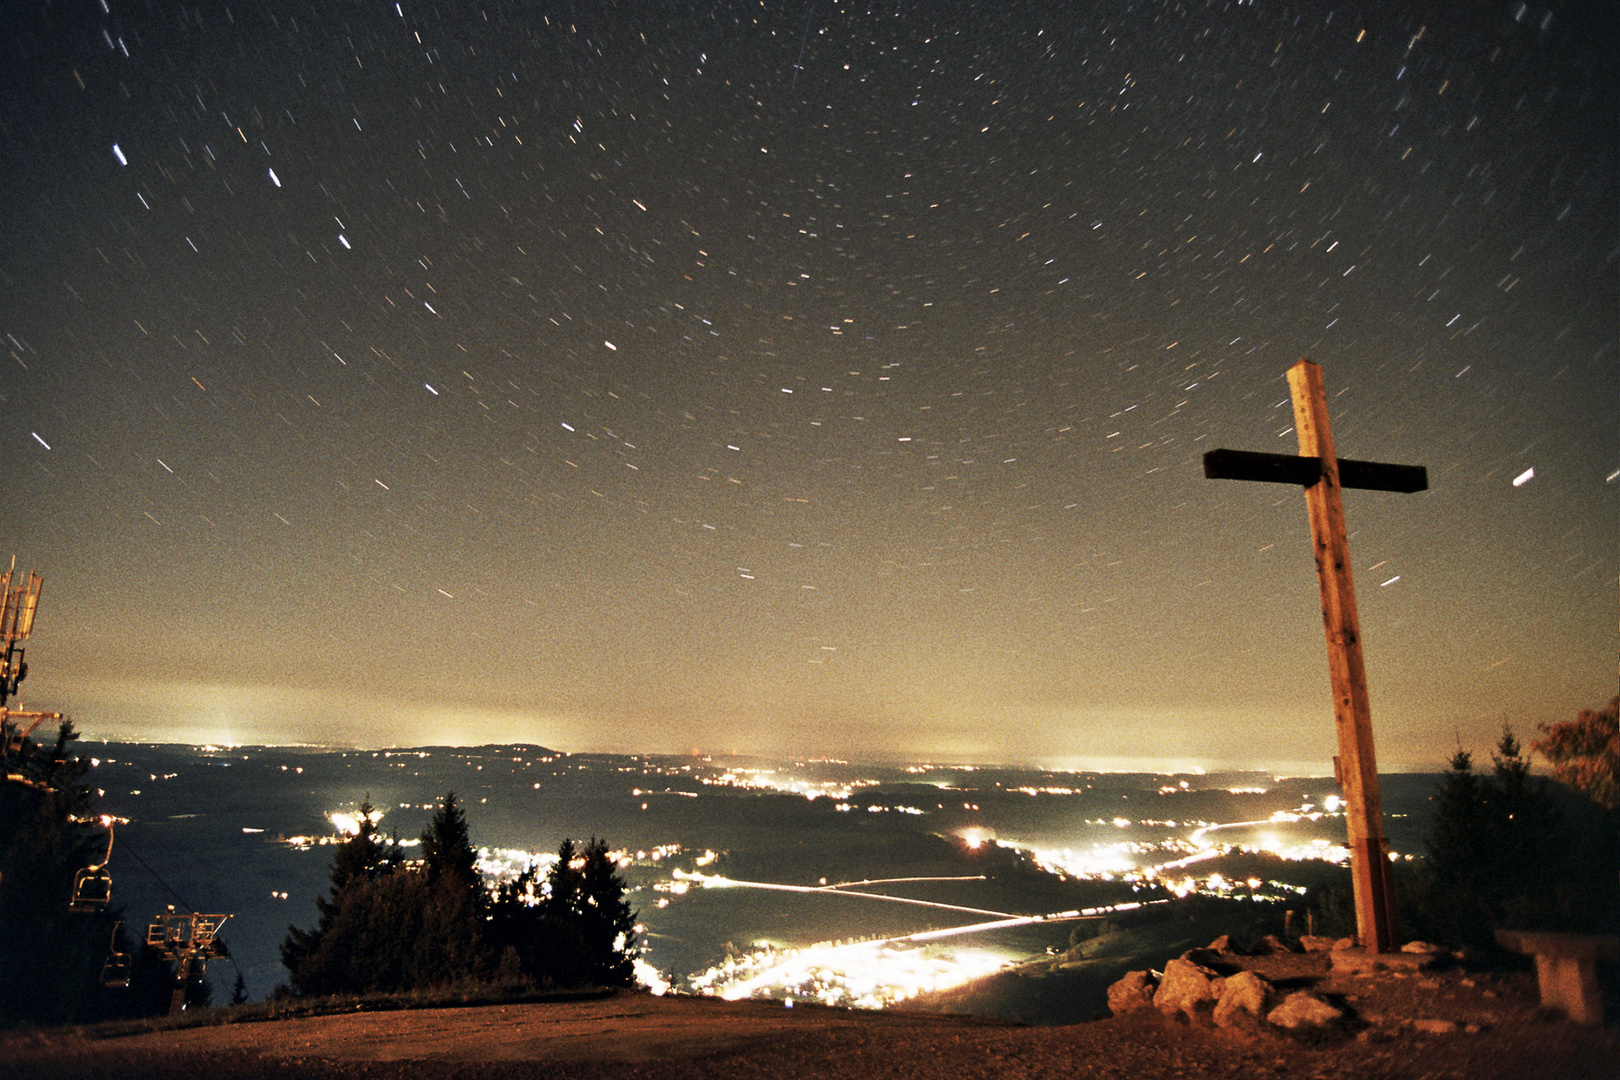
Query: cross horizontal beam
point(1305, 471)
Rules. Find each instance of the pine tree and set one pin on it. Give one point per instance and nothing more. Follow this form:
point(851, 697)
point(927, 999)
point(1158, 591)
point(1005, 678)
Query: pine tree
point(1503, 853)
point(390, 926)
point(1456, 837)
point(364, 854)
point(607, 922)
point(446, 847)
point(586, 893)
point(363, 857)
point(50, 957)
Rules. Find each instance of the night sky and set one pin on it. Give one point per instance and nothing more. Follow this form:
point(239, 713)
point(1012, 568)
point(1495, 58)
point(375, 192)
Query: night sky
point(824, 378)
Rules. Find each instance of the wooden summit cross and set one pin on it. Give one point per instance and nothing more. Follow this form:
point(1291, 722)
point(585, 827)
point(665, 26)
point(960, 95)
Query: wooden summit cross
point(1322, 473)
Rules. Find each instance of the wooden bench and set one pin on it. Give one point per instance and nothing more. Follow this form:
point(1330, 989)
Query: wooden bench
point(1566, 968)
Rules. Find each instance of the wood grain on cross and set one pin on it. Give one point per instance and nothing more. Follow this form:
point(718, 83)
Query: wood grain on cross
point(1322, 473)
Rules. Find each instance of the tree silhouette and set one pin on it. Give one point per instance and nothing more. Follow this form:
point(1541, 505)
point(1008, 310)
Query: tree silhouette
point(446, 847)
point(586, 891)
point(1507, 849)
point(310, 955)
point(391, 925)
point(1585, 753)
point(50, 957)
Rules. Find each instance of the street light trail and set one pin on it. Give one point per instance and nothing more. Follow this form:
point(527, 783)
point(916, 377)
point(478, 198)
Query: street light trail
point(821, 955)
point(714, 881)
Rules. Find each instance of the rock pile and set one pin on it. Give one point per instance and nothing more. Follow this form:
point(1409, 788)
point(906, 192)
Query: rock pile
point(1242, 1000)
point(1208, 986)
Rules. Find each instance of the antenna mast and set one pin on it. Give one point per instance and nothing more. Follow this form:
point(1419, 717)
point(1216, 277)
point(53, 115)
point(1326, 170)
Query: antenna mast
point(18, 603)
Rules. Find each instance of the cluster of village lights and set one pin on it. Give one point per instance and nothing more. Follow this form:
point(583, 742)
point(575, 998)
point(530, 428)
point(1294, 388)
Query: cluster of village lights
point(884, 972)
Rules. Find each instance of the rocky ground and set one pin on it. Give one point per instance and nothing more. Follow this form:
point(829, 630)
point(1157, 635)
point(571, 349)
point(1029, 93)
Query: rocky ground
point(1443, 1022)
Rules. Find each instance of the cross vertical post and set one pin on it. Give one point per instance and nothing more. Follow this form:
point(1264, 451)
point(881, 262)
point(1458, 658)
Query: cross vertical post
point(1356, 766)
point(1322, 474)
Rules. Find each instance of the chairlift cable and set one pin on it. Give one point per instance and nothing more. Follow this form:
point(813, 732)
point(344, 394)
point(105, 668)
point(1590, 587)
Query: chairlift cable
point(172, 892)
point(121, 842)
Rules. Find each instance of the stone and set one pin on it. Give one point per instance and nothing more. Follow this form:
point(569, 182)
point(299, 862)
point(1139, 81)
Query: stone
point(1222, 944)
point(1134, 991)
point(1435, 1027)
point(1245, 997)
point(1270, 945)
point(1362, 962)
point(1302, 1011)
point(1418, 947)
point(1186, 987)
point(1316, 943)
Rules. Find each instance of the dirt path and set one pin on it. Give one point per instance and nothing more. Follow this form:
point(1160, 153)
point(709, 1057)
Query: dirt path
point(633, 1035)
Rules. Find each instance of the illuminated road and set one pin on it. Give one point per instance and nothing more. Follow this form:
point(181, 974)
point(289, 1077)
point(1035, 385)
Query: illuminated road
point(799, 965)
point(715, 881)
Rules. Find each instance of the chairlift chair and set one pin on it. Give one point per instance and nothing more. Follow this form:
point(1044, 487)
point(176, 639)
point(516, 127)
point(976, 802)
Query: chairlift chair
point(92, 889)
point(92, 886)
point(115, 972)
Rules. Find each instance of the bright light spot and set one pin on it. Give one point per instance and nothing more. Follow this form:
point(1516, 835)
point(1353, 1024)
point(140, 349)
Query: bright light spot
point(119, 154)
point(648, 976)
point(612, 347)
point(349, 824)
point(864, 975)
point(274, 179)
point(1524, 478)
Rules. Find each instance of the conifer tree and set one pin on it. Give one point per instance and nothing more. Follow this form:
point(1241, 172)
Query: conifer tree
point(446, 846)
point(1506, 850)
point(586, 893)
point(361, 859)
point(50, 957)
point(607, 922)
point(389, 925)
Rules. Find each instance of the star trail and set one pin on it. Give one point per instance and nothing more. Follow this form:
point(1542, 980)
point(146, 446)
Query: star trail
point(807, 377)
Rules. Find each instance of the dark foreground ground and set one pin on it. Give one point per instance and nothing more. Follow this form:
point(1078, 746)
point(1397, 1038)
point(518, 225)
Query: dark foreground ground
point(635, 1035)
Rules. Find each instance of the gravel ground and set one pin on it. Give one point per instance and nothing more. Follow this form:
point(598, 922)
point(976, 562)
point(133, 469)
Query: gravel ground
point(633, 1035)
